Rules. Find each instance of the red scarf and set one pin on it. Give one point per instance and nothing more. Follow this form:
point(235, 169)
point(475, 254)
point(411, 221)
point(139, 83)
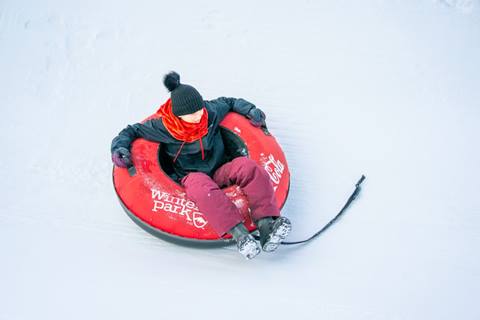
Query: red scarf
point(182, 130)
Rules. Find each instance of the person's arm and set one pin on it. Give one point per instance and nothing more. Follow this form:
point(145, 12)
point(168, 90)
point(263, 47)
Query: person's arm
point(152, 130)
point(224, 105)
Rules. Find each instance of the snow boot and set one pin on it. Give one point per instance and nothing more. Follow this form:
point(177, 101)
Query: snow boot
point(246, 243)
point(273, 231)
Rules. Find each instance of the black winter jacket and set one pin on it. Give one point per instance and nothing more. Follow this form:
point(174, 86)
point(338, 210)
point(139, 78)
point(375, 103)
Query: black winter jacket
point(190, 157)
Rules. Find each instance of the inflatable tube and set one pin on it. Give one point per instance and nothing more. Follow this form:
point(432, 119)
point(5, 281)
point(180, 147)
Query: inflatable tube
point(158, 204)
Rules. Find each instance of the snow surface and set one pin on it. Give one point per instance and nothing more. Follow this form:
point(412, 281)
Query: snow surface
point(385, 88)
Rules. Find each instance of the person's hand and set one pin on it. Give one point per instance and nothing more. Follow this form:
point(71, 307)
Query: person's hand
point(257, 117)
point(121, 157)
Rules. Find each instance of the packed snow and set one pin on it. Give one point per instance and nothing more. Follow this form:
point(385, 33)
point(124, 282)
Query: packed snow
point(389, 89)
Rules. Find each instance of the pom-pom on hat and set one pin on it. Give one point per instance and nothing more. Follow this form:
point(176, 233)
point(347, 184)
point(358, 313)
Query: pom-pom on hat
point(185, 99)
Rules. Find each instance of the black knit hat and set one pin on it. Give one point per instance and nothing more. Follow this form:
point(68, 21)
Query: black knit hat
point(185, 98)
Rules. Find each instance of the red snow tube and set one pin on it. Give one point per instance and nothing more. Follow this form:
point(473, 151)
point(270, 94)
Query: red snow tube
point(159, 205)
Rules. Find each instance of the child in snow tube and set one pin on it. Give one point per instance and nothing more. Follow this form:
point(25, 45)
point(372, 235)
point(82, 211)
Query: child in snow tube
point(188, 128)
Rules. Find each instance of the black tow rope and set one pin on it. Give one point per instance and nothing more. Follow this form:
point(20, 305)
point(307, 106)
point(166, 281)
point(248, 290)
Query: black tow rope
point(328, 225)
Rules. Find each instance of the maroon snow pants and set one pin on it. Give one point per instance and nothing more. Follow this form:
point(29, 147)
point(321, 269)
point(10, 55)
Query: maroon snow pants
point(221, 213)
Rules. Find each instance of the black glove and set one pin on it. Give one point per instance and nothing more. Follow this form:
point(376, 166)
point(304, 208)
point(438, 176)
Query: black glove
point(121, 157)
point(257, 117)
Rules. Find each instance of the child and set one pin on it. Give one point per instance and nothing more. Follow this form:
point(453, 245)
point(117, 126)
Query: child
point(189, 131)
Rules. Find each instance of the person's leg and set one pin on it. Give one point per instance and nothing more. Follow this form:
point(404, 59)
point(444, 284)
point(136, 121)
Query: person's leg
point(255, 183)
point(246, 243)
point(273, 232)
point(219, 210)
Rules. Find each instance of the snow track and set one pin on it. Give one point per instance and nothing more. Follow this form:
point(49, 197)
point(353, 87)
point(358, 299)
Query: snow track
point(388, 89)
